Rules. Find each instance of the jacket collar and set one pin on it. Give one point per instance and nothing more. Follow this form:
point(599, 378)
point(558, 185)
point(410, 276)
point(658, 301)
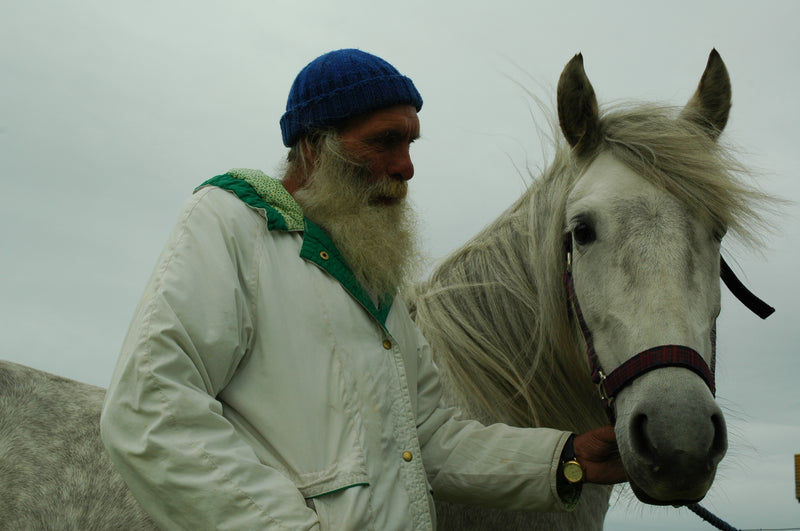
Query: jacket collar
point(262, 192)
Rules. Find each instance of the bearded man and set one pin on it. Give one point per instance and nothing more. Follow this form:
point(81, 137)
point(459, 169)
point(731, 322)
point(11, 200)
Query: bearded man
point(271, 377)
point(360, 199)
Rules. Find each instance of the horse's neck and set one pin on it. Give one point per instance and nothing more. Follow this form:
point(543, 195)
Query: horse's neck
point(491, 289)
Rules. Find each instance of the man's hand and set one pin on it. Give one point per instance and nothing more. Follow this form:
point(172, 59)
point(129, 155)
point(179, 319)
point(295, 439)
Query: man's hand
point(597, 452)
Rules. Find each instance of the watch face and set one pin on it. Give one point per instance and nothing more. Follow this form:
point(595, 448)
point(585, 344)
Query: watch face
point(573, 471)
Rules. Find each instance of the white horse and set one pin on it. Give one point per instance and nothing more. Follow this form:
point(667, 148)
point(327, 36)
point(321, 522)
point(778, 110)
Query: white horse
point(637, 203)
point(614, 251)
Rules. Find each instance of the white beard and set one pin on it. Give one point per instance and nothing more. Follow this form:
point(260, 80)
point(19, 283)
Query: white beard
point(371, 224)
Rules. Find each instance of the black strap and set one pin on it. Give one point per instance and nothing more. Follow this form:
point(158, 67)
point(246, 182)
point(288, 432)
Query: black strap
point(745, 296)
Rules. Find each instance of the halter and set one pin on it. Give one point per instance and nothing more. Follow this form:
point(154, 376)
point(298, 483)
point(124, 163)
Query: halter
point(609, 385)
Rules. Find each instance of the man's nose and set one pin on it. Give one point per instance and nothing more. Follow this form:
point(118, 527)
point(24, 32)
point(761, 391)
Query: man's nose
point(401, 166)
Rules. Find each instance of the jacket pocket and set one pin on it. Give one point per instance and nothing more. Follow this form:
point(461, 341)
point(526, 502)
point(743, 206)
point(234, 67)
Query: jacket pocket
point(344, 509)
point(324, 483)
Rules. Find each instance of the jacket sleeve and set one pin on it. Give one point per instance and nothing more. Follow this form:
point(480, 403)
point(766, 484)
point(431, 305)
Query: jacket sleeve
point(494, 466)
point(161, 423)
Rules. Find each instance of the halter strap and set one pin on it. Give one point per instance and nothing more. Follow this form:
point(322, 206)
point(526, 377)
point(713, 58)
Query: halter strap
point(745, 296)
point(609, 385)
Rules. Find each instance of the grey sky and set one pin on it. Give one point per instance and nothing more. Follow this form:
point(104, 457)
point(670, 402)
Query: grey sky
point(111, 112)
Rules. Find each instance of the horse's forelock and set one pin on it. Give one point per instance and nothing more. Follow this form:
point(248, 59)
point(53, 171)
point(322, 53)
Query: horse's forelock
point(678, 155)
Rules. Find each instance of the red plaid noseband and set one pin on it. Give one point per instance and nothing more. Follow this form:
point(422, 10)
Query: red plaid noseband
point(609, 385)
point(655, 358)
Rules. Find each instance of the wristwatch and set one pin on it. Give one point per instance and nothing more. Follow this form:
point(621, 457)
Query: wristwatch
point(571, 469)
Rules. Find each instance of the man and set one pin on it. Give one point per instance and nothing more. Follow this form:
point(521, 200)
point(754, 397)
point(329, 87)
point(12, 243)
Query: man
point(272, 378)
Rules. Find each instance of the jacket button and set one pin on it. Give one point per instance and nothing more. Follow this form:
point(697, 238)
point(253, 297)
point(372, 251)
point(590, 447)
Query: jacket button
point(408, 456)
point(387, 344)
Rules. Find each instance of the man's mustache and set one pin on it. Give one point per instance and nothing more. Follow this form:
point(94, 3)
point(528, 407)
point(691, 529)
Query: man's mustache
point(387, 190)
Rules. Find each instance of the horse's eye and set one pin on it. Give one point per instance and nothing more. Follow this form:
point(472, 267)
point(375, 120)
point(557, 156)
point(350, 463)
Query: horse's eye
point(583, 233)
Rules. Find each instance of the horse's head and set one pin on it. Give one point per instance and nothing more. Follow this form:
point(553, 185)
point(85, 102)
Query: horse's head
point(643, 225)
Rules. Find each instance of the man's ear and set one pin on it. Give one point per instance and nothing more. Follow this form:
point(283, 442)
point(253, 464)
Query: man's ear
point(309, 149)
point(301, 164)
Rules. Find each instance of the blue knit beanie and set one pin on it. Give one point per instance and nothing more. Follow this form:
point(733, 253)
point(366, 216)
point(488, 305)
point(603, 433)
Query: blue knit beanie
point(342, 84)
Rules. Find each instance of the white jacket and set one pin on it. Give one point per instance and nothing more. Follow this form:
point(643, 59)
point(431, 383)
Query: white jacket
point(259, 388)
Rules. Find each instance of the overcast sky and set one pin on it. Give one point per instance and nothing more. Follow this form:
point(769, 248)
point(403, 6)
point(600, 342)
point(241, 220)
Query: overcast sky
point(111, 112)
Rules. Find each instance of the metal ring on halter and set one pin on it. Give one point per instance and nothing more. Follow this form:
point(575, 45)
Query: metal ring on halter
point(601, 388)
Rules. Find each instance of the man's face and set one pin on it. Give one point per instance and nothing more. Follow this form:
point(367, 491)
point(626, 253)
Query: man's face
point(381, 141)
point(357, 193)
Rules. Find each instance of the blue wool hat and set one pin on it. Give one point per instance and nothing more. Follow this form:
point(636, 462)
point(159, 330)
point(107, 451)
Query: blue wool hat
point(339, 85)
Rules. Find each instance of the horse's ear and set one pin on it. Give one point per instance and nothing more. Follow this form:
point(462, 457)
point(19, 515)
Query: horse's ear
point(711, 103)
point(577, 107)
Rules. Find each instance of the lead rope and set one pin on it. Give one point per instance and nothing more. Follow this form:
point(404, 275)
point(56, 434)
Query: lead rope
point(710, 517)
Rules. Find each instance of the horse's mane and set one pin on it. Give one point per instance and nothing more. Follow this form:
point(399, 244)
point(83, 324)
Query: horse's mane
point(495, 310)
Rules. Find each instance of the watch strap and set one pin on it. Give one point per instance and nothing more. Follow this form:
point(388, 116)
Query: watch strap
point(569, 493)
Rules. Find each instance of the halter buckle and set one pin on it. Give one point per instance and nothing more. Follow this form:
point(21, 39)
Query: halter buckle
point(601, 388)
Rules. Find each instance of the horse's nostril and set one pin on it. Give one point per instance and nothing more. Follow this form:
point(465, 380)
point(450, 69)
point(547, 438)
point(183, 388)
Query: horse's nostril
point(641, 442)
